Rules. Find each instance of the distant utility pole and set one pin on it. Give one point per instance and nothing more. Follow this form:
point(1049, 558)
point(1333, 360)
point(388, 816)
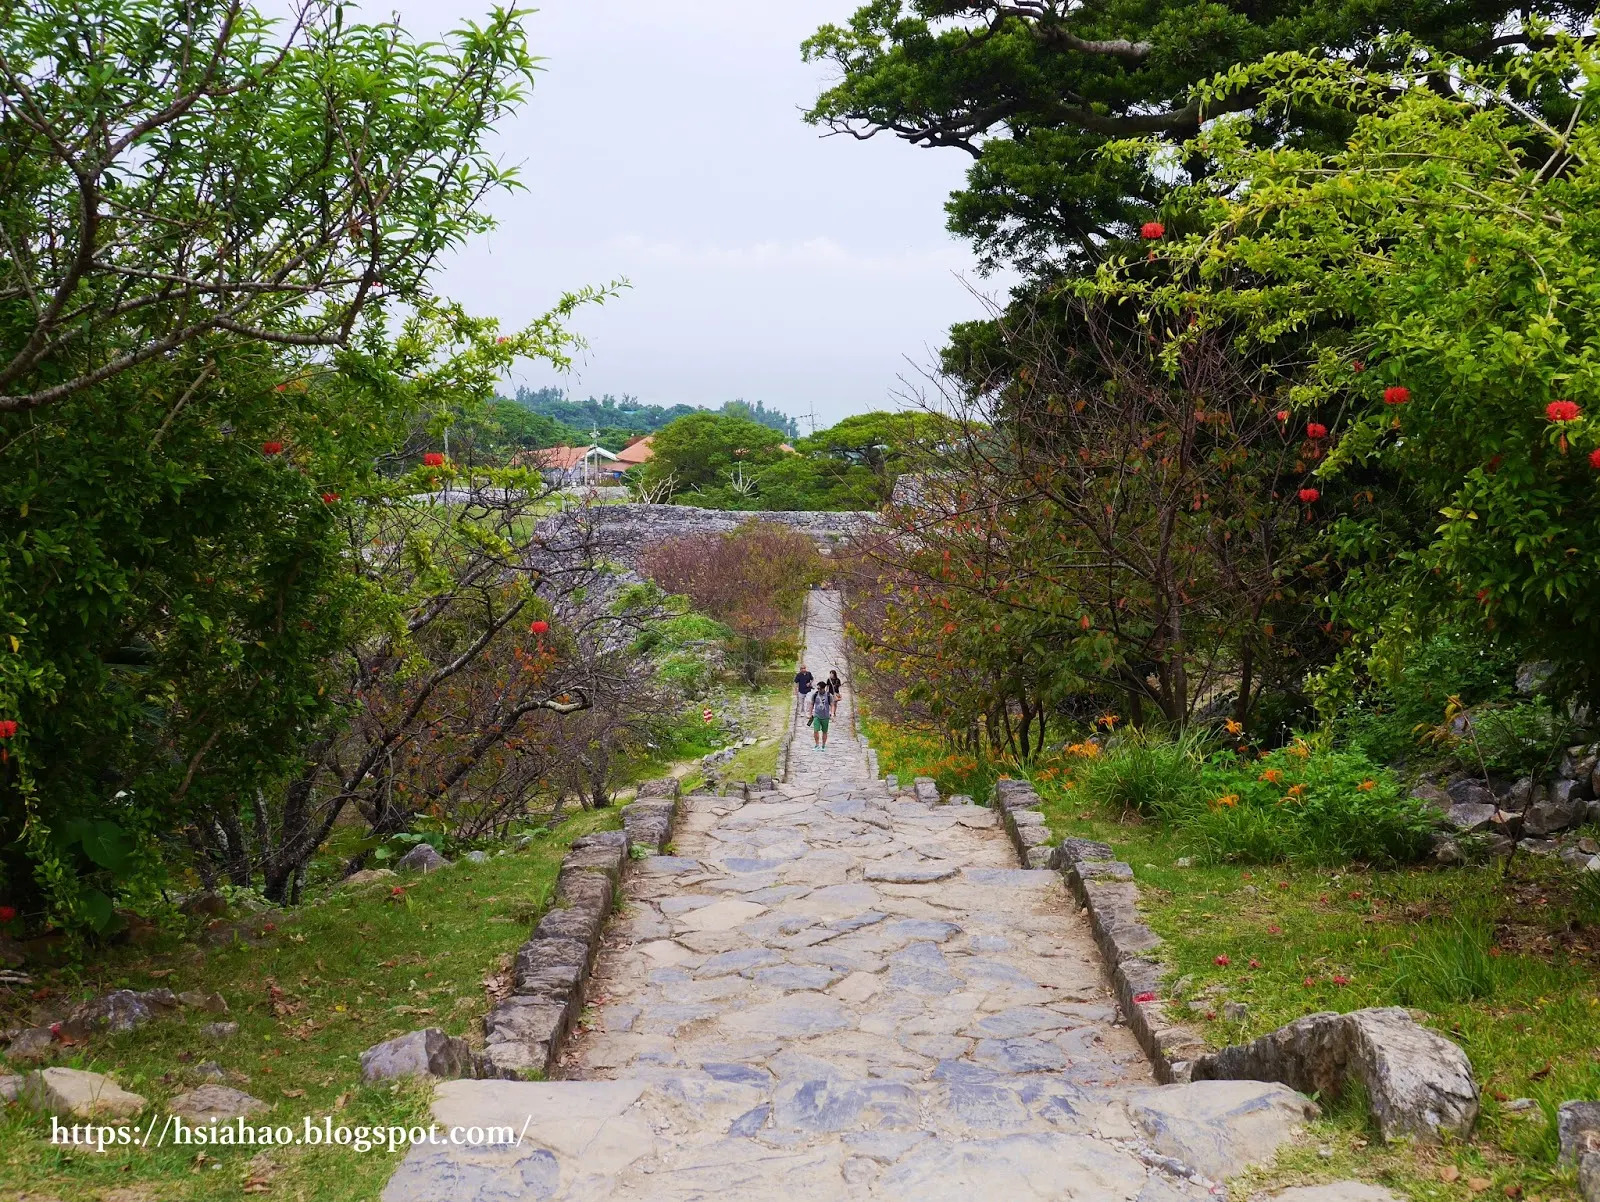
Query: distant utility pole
point(812, 418)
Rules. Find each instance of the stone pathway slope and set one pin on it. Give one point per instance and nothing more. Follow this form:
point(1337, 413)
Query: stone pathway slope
point(831, 992)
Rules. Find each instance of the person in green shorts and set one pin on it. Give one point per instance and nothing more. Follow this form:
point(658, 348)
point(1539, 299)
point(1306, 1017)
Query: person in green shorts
point(822, 705)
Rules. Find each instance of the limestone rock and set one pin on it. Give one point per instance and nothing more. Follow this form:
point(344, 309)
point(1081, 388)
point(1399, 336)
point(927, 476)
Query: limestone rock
point(1417, 1082)
point(1578, 1130)
point(1218, 1128)
point(1589, 1177)
point(1432, 794)
point(1470, 792)
point(219, 1032)
point(32, 1046)
point(1470, 816)
point(207, 1102)
point(1559, 807)
point(421, 858)
point(1074, 850)
point(116, 1013)
point(368, 876)
point(668, 786)
point(425, 1053)
point(73, 1093)
point(10, 1087)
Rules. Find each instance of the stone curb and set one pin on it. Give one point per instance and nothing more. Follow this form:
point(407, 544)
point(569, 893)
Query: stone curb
point(549, 973)
point(1104, 887)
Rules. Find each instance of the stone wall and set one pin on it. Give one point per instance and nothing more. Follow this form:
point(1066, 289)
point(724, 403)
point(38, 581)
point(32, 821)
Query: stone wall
point(634, 526)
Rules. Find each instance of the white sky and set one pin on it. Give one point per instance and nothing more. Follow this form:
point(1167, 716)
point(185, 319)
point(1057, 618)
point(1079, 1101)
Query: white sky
point(664, 144)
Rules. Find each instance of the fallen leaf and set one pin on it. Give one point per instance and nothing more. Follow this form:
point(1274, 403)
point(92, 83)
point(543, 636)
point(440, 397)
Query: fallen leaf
point(1537, 1073)
point(1449, 1173)
point(1478, 1184)
point(294, 1093)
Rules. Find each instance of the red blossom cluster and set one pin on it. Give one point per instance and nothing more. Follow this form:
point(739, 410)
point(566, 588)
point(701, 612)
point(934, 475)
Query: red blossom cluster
point(1151, 230)
point(328, 498)
point(1396, 394)
point(1562, 411)
point(8, 727)
point(433, 459)
point(1310, 496)
point(272, 448)
point(538, 627)
point(1316, 430)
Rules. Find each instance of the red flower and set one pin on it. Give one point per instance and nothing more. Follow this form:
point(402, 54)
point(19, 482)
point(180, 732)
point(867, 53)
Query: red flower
point(1223, 961)
point(433, 459)
point(1562, 411)
point(1255, 964)
point(1274, 930)
point(1283, 415)
point(1309, 982)
point(1140, 999)
point(539, 627)
point(1357, 366)
point(1151, 230)
point(1396, 394)
point(328, 498)
point(1283, 884)
point(1340, 979)
point(272, 448)
point(280, 388)
point(8, 913)
point(499, 341)
point(1483, 596)
point(1310, 496)
point(8, 727)
point(1594, 459)
point(1316, 430)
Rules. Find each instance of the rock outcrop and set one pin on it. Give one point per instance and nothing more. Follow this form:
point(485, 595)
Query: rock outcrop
point(1417, 1082)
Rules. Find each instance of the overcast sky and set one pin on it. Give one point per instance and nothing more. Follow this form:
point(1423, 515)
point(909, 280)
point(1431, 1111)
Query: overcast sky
point(664, 144)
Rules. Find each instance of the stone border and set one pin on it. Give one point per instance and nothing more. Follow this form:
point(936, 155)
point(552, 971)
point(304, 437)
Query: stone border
point(524, 1032)
point(1104, 888)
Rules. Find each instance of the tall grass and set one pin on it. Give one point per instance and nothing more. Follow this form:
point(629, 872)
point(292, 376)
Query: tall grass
point(1449, 962)
point(1151, 776)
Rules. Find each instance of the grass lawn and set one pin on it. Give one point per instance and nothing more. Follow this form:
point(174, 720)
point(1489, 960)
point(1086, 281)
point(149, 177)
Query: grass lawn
point(310, 989)
point(1506, 966)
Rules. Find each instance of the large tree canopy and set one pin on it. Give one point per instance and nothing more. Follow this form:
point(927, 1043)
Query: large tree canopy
point(1033, 89)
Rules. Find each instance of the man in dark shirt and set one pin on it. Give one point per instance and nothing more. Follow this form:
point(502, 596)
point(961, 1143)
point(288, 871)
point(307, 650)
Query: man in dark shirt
point(802, 686)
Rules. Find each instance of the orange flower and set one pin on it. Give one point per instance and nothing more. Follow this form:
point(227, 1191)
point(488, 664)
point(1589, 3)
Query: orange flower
point(1233, 727)
point(1272, 776)
point(1109, 721)
point(1296, 790)
point(1228, 800)
point(1366, 786)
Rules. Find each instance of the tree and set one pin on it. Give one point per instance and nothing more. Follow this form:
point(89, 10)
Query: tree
point(754, 580)
point(1034, 89)
point(1442, 264)
point(708, 451)
point(173, 181)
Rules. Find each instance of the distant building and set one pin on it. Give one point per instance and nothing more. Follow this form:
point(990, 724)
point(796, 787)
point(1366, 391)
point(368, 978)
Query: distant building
point(636, 452)
point(573, 465)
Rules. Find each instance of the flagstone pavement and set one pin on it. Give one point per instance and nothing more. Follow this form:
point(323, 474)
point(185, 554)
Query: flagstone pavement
point(829, 991)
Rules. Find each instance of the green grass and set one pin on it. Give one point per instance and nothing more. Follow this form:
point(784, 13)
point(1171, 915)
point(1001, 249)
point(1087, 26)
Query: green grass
point(361, 967)
point(1504, 966)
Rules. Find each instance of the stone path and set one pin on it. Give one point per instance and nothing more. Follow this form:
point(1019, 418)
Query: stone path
point(831, 992)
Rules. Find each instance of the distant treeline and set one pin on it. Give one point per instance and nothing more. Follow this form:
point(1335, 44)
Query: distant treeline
point(631, 414)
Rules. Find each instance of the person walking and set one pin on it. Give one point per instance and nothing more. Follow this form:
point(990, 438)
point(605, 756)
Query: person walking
point(802, 686)
point(822, 707)
point(835, 686)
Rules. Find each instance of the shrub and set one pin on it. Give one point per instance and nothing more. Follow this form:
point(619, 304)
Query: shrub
point(1312, 807)
point(1142, 774)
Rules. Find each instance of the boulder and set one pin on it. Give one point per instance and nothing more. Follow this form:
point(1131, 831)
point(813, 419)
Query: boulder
point(1532, 677)
point(73, 1093)
point(1470, 816)
point(219, 1032)
point(32, 1046)
point(1444, 849)
point(1577, 1130)
point(215, 1103)
point(1471, 791)
point(1589, 1177)
point(1417, 1082)
point(426, 1053)
point(1555, 809)
point(667, 786)
point(368, 876)
point(1432, 794)
point(1516, 796)
point(421, 858)
point(118, 1012)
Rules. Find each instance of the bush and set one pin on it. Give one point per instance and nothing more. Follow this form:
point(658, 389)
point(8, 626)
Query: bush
point(1305, 806)
point(1519, 739)
point(911, 751)
point(1142, 774)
